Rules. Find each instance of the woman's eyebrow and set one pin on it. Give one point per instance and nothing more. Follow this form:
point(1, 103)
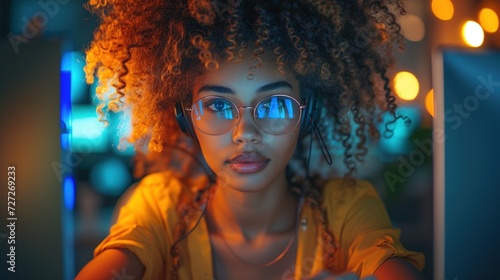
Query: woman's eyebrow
point(273, 86)
point(216, 88)
point(264, 88)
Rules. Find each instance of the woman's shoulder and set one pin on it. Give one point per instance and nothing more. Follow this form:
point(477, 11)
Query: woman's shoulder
point(341, 188)
point(167, 186)
point(344, 194)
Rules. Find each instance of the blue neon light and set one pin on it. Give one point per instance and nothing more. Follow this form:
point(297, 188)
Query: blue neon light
point(69, 192)
point(65, 103)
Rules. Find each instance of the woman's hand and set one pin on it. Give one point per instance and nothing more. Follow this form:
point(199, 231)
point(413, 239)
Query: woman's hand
point(327, 275)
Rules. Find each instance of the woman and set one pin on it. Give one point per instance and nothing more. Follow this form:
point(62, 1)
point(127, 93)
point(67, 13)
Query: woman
point(251, 83)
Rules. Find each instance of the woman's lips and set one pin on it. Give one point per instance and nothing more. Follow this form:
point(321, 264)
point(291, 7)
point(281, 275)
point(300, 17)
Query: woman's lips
point(248, 163)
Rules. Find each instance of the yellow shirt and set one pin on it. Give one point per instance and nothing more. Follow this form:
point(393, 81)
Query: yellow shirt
point(361, 227)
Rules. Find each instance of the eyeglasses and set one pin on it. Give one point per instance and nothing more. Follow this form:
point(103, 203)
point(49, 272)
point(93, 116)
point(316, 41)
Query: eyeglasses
point(275, 114)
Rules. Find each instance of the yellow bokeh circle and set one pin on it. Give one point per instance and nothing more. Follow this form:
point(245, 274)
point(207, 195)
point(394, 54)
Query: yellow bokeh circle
point(473, 34)
point(406, 85)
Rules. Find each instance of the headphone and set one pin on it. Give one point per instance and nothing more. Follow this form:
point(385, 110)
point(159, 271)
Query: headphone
point(310, 115)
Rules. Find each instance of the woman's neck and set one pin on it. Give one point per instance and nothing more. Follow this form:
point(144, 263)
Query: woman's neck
point(252, 214)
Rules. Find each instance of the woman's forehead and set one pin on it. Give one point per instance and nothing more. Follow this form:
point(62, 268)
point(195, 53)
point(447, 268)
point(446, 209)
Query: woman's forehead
point(248, 76)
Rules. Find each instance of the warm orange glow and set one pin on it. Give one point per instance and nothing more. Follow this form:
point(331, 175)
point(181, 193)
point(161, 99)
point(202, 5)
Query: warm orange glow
point(406, 85)
point(429, 102)
point(473, 34)
point(488, 20)
point(442, 9)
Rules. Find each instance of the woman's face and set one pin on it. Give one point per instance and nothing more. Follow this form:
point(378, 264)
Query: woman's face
point(245, 157)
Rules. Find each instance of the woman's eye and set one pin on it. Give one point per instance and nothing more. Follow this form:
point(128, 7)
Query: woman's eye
point(218, 105)
point(274, 107)
point(272, 104)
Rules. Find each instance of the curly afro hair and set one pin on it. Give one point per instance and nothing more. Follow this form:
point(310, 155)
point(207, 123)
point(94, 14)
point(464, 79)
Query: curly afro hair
point(145, 53)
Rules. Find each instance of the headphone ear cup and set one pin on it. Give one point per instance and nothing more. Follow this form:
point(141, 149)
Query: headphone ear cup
point(186, 125)
point(184, 120)
point(310, 114)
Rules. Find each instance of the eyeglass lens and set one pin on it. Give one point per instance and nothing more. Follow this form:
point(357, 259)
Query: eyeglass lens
point(276, 114)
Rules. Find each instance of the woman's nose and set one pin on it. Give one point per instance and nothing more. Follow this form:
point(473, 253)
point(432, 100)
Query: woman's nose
point(246, 130)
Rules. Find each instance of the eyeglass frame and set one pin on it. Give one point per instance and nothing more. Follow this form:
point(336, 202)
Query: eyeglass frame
point(254, 115)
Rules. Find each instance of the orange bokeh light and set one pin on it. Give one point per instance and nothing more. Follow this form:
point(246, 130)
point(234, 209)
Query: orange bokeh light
point(429, 102)
point(443, 9)
point(488, 20)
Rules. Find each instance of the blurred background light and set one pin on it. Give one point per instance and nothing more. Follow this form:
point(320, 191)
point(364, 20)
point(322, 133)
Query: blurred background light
point(66, 62)
point(472, 34)
point(399, 143)
point(406, 85)
point(65, 138)
point(413, 27)
point(88, 135)
point(488, 20)
point(65, 102)
point(429, 102)
point(74, 62)
point(69, 192)
point(110, 176)
point(443, 9)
